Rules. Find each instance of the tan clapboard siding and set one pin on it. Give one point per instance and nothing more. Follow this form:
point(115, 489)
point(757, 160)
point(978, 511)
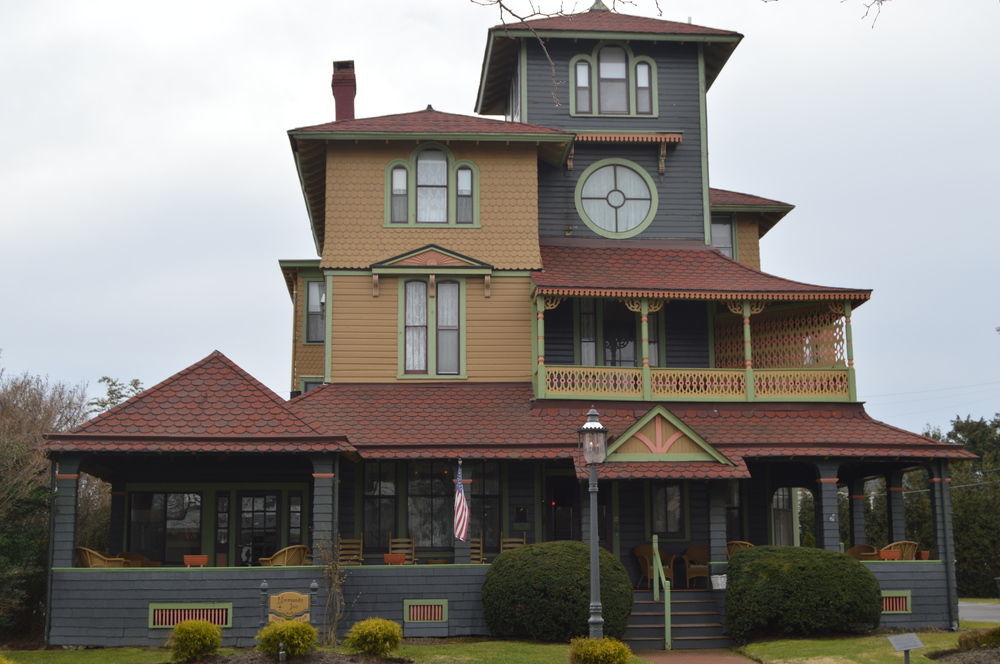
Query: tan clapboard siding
point(508, 209)
point(498, 335)
point(748, 240)
point(364, 330)
point(307, 359)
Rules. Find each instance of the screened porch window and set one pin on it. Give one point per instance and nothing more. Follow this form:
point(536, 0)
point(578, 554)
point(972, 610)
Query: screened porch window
point(165, 526)
point(379, 504)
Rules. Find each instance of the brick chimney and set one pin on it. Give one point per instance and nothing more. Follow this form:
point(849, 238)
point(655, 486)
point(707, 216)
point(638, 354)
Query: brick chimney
point(344, 88)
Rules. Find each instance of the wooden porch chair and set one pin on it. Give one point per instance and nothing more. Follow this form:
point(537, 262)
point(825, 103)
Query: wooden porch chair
point(512, 542)
point(477, 555)
point(696, 563)
point(138, 560)
point(405, 546)
point(644, 556)
point(351, 551)
point(862, 552)
point(907, 550)
point(297, 554)
point(91, 558)
point(733, 546)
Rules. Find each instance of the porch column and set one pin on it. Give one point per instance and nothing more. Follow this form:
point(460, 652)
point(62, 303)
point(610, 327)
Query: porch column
point(751, 390)
point(852, 389)
point(323, 518)
point(116, 526)
point(827, 524)
point(65, 476)
point(894, 503)
point(718, 555)
point(940, 488)
point(540, 381)
point(647, 389)
point(858, 501)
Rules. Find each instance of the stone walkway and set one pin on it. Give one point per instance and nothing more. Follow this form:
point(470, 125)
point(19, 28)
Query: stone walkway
point(692, 657)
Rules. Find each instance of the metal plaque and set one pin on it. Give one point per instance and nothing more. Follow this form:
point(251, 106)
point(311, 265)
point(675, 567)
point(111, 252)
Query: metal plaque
point(906, 642)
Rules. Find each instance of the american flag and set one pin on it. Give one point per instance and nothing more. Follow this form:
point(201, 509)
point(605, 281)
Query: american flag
point(461, 507)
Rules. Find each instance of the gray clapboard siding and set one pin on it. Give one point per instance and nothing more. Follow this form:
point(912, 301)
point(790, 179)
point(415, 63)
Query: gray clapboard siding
point(926, 582)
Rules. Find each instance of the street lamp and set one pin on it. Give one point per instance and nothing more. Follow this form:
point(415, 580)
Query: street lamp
point(593, 442)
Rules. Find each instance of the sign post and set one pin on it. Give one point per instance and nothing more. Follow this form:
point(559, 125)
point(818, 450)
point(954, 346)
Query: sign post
point(906, 643)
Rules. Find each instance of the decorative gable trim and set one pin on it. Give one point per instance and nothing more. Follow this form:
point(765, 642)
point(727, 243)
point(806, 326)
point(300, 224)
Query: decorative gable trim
point(429, 259)
point(660, 436)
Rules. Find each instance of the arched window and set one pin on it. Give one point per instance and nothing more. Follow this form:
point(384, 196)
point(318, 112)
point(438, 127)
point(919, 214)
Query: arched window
point(612, 80)
point(583, 96)
point(432, 187)
point(399, 198)
point(463, 195)
point(643, 89)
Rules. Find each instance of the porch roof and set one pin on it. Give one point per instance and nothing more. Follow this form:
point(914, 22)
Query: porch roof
point(213, 405)
point(589, 269)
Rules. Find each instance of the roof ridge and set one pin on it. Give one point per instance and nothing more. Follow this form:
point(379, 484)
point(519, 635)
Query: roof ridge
point(433, 111)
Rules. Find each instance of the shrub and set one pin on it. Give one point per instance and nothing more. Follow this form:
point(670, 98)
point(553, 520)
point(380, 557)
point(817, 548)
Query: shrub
point(4, 660)
point(376, 637)
point(598, 651)
point(299, 638)
point(193, 639)
point(542, 591)
point(980, 638)
point(783, 590)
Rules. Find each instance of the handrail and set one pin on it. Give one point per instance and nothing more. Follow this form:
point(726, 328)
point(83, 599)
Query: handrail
point(658, 578)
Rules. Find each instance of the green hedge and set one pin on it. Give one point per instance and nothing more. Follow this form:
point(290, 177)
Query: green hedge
point(542, 591)
point(784, 590)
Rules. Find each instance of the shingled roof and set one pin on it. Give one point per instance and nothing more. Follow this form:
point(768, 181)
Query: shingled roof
point(597, 20)
point(584, 270)
point(213, 405)
point(429, 121)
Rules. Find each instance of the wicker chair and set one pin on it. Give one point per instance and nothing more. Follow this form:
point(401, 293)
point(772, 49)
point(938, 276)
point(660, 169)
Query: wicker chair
point(297, 554)
point(862, 552)
point(138, 560)
point(91, 558)
point(696, 563)
point(733, 546)
point(405, 546)
point(512, 542)
point(351, 551)
point(477, 555)
point(907, 550)
point(644, 556)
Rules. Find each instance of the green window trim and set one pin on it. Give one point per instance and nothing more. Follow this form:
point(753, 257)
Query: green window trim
point(309, 379)
point(154, 606)
point(410, 165)
point(306, 281)
point(631, 60)
point(431, 354)
point(638, 170)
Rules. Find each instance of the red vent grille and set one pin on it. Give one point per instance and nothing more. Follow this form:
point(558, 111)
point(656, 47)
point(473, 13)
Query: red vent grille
point(896, 604)
point(426, 613)
point(170, 617)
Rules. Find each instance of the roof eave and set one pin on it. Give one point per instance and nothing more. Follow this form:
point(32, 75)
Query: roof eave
point(316, 228)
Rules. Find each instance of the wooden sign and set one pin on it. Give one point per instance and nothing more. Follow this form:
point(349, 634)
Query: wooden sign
point(271, 618)
point(289, 604)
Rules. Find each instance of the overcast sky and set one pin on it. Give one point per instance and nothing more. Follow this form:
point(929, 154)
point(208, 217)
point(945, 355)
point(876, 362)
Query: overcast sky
point(147, 187)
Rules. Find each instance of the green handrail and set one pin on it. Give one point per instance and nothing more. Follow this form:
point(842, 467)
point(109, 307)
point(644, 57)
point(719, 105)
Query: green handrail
point(660, 578)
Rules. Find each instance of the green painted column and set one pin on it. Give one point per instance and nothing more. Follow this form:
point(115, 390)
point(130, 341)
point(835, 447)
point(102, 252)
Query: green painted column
point(647, 388)
point(540, 381)
point(751, 391)
point(852, 387)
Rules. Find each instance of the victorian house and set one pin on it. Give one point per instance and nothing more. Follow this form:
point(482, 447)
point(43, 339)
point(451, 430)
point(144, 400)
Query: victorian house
point(479, 284)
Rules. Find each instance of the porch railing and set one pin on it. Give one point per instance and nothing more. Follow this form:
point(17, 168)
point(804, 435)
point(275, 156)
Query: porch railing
point(660, 581)
point(656, 384)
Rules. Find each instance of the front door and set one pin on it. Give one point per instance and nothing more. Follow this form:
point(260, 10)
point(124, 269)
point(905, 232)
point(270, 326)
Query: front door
point(562, 500)
point(259, 533)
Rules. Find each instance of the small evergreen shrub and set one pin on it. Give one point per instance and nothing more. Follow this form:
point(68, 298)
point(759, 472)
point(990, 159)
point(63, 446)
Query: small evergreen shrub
point(193, 639)
point(542, 592)
point(598, 651)
point(784, 590)
point(980, 638)
point(299, 638)
point(375, 637)
point(4, 660)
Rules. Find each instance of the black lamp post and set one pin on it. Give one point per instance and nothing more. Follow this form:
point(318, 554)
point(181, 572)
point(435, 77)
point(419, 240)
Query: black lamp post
point(593, 442)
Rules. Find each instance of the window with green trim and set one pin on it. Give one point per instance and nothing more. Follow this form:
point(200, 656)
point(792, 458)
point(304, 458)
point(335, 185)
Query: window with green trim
point(616, 198)
point(315, 310)
point(611, 80)
point(432, 320)
point(431, 188)
point(722, 233)
point(669, 516)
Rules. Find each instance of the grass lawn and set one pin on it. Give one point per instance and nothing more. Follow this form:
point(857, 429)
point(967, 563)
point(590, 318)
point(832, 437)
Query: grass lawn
point(980, 600)
point(455, 651)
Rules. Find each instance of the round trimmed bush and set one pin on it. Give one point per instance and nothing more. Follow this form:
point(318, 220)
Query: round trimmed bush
point(375, 637)
point(298, 638)
point(542, 591)
point(599, 651)
point(785, 590)
point(194, 639)
point(980, 638)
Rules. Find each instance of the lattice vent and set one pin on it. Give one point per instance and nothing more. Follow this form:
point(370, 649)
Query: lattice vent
point(896, 602)
point(170, 616)
point(426, 611)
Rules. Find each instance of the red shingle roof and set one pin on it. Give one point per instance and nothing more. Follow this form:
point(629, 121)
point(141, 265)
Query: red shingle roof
point(692, 470)
point(490, 420)
point(674, 273)
point(739, 199)
point(203, 407)
point(429, 122)
point(609, 21)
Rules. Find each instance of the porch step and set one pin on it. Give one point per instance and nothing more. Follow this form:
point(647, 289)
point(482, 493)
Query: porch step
point(694, 617)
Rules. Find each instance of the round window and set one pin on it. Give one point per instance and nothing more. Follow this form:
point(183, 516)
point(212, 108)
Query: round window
point(616, 198)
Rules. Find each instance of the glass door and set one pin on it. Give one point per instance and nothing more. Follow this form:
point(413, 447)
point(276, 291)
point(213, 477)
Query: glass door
point(259, 533)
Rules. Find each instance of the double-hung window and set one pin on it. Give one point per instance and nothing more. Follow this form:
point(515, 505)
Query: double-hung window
point(722, 234)
point(611, 80)
point(432, 328)
point(315, 312)
point(612, 88)
point(431, 189)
